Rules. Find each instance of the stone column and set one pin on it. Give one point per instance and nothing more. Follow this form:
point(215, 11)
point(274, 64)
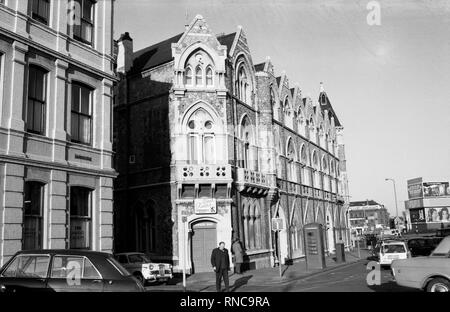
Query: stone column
point(13, 113)
point(57, 110)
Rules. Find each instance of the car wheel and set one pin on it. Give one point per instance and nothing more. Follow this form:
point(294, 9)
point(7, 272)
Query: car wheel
point(438, 285)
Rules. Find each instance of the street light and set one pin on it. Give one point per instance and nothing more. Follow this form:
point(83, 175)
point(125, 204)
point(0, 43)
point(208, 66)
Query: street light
point(395, 196)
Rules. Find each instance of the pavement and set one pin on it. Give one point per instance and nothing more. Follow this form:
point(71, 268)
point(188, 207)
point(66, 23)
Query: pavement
point(205, 282)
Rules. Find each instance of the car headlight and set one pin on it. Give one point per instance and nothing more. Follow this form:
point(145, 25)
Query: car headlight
point(170, 266)
point(151, 267)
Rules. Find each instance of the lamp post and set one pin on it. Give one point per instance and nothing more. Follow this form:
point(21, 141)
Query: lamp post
point(395, 196)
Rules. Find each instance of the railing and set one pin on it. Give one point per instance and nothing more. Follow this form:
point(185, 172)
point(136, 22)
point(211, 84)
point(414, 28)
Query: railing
point(248, 176)
point(203, 172)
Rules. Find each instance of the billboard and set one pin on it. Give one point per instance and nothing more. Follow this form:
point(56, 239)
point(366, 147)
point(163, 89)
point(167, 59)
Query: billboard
point(415, 190)
point(432, 189)
point(417, 215)
point(437, 214)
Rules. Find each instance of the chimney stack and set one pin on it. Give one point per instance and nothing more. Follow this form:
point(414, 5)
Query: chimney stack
point(124, 53)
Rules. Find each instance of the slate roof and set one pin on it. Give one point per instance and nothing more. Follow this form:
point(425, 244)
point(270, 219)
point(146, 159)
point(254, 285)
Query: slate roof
point(161, 52)
point(154, 55)
point(327, 106)
point(227, 40)
point(260, 66)
point(278, 80)
point(292, 91)
point(363, 203)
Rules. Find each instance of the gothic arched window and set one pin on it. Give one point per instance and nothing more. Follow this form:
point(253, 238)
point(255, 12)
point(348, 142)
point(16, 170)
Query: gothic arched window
point(198, 76)
point(209, 77)
point(291, 161)
point(188, 76)
point(201, 138)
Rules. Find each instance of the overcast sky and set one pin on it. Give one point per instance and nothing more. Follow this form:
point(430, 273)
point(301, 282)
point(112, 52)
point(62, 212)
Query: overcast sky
point(389, 84)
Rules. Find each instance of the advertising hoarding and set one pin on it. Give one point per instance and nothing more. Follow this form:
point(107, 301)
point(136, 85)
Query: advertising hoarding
point(432, 189)
point(415, 190)
point(437, 214)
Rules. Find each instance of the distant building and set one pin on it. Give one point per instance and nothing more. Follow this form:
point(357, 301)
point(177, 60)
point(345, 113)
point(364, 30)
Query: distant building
point(428, 205)
point(367, 216)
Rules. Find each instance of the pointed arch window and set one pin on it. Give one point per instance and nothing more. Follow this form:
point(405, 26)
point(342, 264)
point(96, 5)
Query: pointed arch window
point(247, 140)
point(209, 77)
point(201, 138)
point(243, 86)
point(188, 76)
point(316, 166)
point(291, 161)
point(198, 76)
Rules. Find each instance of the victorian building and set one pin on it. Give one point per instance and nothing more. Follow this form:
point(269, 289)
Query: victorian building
point(367, 216)
point(211, 146)
point(56, 79)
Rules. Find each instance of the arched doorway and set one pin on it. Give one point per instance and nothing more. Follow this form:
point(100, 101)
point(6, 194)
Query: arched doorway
point(203, 241)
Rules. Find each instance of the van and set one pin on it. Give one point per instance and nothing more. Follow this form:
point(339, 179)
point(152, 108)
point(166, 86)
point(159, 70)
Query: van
point(393, 250)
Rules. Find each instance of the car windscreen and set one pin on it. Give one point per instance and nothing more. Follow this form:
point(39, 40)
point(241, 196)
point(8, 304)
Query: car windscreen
point(443, 248)
point(138, 258)
point(394, 248)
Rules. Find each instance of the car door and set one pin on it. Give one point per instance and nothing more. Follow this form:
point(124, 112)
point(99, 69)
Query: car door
point(74, 274)
point(26, 272)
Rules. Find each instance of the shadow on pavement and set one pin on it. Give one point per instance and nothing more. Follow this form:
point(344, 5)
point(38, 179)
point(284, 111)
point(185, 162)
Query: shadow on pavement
point(240, 282)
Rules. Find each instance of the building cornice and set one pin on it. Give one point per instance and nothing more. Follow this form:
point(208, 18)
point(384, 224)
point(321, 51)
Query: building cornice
point(60, 55)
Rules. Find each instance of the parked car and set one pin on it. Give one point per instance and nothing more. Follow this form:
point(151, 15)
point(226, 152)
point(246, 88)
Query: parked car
point(392, 250)
point(430, 273)
point(423, 246)
point(391, 232)
point(66, 271)
point(143, 268)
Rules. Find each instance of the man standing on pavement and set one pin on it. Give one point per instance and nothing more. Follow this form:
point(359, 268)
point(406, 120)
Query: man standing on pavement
point(221, 264)
point(238, 255)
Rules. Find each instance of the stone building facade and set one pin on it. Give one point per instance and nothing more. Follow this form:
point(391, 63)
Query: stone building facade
point(56, 79)
point(210, 146)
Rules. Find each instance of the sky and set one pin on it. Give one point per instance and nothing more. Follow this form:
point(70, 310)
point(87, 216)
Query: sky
point(389, 84)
